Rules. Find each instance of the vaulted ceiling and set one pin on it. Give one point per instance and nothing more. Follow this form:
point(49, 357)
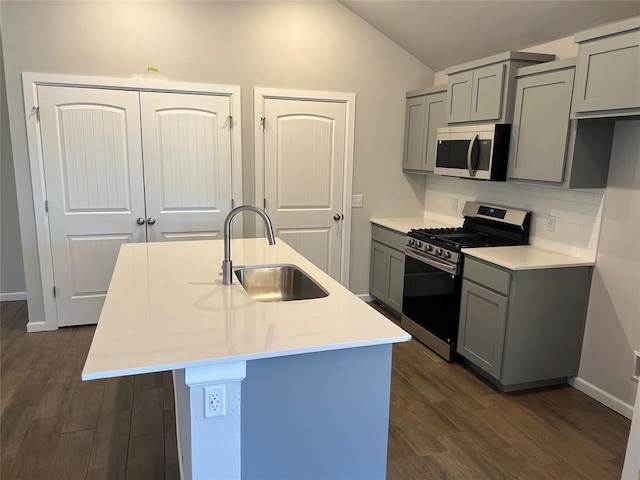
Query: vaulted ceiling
point(442, 33)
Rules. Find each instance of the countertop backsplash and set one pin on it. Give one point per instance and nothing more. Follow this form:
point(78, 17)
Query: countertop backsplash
point(578, 213)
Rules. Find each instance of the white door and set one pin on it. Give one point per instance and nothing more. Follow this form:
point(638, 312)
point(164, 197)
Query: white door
point(101, 192)
point(304, 176)
point(93, 174)
point(187, 164)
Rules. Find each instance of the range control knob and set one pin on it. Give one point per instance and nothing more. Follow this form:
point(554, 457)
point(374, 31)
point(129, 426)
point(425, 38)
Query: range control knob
point(418, 244)
point(411, 242)
point(447, 254)
point(429, 247)
point(439, 251)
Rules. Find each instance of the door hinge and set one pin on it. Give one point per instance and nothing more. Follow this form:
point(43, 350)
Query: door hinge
point(263, 123)
point(54, 292)
point(36, 111)
point(230, 120)
point(233, 203)
point(46, 206)
point(264, 203)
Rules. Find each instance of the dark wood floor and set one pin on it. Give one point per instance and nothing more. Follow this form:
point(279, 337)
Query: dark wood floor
point(445, 422)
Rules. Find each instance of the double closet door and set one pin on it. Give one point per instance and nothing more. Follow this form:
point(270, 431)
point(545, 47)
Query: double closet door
point(126, 166)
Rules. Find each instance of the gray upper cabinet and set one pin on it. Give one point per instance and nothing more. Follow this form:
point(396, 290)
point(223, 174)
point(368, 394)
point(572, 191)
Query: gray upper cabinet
point(459, 97)
point(541, 124)
point(424, 115)
point(608, 71)
point(546, 146)
point(486, 92)
point(482, 90)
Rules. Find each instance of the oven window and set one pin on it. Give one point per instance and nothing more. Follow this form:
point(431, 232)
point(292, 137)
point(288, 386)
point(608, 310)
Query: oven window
point(431, 298)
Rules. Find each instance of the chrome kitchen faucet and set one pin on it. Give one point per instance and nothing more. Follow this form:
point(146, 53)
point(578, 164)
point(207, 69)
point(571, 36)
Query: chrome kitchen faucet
point(226, 263)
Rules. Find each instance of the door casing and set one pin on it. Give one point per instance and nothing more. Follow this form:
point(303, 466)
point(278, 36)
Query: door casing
point(30, 83)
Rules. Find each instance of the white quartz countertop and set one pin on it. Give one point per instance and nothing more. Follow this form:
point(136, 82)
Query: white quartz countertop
point(526, 257)
point(404, 224)
point(167, 309)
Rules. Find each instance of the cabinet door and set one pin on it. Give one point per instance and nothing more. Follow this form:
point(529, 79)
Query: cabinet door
point(486, 92)
point(435, 118)
point(541, 126)
point(395, 279)
point(483, 318)
point(379, 274)
point(608, 73)
point(414, 133)
point(459, 97)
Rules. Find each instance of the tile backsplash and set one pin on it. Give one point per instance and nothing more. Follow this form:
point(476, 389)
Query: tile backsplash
point(577, 214)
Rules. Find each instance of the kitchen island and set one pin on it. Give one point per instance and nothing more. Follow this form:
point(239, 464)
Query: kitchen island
point(304, 385)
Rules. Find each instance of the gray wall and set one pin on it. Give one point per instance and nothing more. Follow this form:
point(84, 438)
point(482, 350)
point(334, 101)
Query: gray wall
point(307, 45)
point(11, 270)
point(613, 318)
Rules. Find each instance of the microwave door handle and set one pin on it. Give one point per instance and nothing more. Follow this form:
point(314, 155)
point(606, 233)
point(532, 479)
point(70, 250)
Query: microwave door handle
point(472, 171)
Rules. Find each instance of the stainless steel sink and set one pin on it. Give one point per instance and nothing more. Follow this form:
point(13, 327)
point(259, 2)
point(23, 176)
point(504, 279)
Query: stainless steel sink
point(278, 283)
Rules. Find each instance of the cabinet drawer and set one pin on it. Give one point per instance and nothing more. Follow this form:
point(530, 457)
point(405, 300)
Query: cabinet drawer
point(388, 237)
point(490, 277)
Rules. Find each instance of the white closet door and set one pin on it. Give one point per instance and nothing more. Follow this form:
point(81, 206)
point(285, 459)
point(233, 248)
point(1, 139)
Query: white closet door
point(93, 174)
point(187, 164)
point(303, 176)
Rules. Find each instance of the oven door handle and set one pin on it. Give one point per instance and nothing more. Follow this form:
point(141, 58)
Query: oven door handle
point(445, 267)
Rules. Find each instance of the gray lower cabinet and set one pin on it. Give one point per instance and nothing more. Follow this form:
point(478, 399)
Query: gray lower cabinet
point(546, 146)
point(483, 318)
point(522, 329)
point(424, 115)
point(608, 71)
point(387, 267)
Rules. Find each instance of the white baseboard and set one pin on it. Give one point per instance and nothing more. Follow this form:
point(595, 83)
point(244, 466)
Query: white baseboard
point(13, 296)
point(601, 396)
point(37, 327)
point(365, 297)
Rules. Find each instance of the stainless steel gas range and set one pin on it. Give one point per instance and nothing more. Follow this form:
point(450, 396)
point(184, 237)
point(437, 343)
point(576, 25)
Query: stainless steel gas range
point(433, 270)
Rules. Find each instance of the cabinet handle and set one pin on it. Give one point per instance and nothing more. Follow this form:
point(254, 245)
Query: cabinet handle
point(140, 221)
point(151, 220)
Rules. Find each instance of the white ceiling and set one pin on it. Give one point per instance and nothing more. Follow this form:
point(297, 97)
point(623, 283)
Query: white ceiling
point(443, 33)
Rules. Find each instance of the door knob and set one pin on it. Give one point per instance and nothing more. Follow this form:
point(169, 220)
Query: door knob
point(337, 217)
point(151, 220)
point(140, 221)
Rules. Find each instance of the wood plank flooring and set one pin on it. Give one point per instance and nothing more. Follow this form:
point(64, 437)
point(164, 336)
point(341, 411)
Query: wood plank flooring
point(445, 422)
point(55, 426)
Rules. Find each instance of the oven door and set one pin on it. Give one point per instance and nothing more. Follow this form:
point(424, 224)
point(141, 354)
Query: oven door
point(431, 302)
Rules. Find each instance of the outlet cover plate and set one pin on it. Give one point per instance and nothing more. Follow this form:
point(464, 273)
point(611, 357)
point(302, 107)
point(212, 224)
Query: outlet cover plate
point(214, 404)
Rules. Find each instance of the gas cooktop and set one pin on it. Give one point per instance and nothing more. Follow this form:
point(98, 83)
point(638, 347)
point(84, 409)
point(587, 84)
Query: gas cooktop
point(457, 238)
point(484, 226)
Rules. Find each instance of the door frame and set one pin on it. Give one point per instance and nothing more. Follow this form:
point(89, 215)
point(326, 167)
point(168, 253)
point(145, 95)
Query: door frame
point(30, 83)
point(260, 94)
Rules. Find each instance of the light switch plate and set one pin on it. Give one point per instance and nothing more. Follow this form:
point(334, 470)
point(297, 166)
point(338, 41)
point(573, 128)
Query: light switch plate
point(357, 201)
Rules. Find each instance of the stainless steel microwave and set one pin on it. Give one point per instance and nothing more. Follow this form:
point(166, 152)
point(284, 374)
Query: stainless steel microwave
point(473, 151)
